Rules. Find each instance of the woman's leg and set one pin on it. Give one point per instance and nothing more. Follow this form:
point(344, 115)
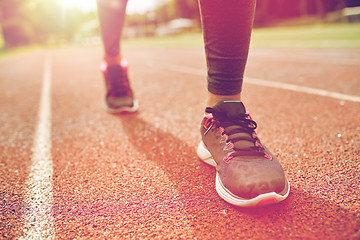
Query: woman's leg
point(248, 174)
point(227, 26)
point(111, 17)
point(119, 95)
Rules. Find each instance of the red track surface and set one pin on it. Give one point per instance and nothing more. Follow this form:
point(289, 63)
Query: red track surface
point(137, 175)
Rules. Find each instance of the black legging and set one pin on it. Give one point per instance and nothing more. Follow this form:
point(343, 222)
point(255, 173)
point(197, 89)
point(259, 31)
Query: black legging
point(226, 27)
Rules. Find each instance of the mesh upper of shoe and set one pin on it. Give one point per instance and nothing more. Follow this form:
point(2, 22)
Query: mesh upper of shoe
point(246, 167)
point(119, 93)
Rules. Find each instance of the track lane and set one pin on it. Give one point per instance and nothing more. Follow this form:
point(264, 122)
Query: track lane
point(138, 176)
point(20, 83)
point(38, 218)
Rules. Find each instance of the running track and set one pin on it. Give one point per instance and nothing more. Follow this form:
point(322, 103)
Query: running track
point(68, 170)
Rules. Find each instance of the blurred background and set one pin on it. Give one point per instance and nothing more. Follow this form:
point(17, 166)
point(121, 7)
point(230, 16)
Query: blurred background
point(59, 22)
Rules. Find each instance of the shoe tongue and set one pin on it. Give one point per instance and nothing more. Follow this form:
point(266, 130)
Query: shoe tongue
point(232, 108)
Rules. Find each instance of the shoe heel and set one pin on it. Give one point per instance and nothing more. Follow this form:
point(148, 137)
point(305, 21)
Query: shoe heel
point(205, 155)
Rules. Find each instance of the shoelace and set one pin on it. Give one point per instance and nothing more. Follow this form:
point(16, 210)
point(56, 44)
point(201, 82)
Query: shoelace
point(236, 130)
point(118, 86)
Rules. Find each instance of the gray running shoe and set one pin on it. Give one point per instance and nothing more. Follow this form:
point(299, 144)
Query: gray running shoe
point(248, 174)
point(119, 96)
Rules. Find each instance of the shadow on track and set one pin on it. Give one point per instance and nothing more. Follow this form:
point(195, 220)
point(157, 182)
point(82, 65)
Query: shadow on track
point(301, 215)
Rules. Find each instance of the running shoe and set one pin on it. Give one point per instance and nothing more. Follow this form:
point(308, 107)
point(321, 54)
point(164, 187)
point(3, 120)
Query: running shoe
point(119, 96)
point(248, 174)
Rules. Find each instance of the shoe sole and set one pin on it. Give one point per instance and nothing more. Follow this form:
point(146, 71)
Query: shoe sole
point(124, 109)
point(224, 193)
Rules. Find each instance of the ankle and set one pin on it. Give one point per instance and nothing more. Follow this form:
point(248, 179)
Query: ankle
point(112, 60)
point(212, 99)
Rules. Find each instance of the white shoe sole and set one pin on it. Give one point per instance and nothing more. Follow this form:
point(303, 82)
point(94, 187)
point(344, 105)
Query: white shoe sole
point(125, 109)
point(224, 193)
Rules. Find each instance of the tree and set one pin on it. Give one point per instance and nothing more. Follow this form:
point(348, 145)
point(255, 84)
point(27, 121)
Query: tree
point(14, 24)
point(38, 21)
point(187, 9)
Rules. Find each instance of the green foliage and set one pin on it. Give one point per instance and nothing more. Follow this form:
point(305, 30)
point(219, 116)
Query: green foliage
point(187, 9)
point(25, 22)
point(168, 11)
point(311, 36)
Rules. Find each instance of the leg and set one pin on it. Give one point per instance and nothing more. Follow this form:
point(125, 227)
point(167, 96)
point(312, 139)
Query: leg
point(248, 174)
point(119, 97)
point(111, 17)
point(227, 28)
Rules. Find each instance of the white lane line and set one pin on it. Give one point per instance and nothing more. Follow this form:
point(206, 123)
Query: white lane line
point(308, 90)
point(38, 220)
point(273, 84)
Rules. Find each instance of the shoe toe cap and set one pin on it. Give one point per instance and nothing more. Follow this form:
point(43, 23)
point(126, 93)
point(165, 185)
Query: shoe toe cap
point(251, 179)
